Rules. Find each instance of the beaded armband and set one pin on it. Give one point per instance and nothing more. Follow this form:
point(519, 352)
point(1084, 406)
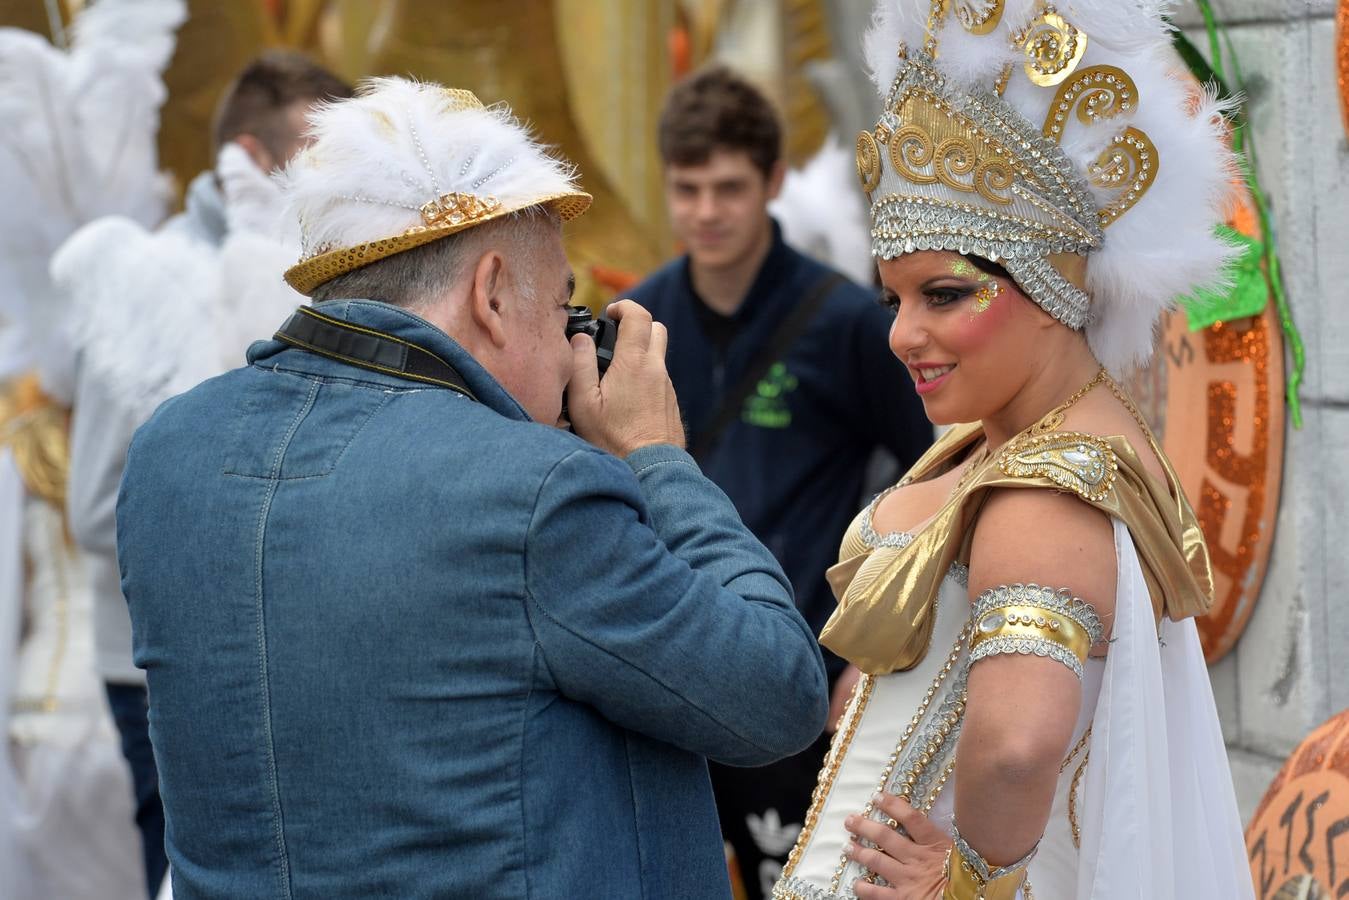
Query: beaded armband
point(1033, 620)
point(969, 876)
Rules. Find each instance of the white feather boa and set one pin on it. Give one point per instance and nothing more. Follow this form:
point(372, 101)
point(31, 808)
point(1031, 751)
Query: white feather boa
point(1165, 246)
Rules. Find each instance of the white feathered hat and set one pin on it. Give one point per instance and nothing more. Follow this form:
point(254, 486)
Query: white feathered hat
point(404, 163)
point(1058, 142)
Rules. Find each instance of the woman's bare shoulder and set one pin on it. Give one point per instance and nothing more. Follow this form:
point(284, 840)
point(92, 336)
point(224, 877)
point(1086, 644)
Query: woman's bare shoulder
point(1046, 537)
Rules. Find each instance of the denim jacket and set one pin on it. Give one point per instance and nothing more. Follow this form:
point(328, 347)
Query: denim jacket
point(404, 644)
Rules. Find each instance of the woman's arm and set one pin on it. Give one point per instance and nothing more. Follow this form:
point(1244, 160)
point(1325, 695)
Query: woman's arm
point(1021, 709)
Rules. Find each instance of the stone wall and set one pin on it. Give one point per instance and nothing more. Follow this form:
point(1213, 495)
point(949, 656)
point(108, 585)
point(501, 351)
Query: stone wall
point(1286, 675)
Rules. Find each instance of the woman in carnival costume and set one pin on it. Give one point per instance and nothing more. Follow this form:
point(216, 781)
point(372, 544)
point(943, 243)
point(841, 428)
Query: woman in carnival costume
point(1034, 718)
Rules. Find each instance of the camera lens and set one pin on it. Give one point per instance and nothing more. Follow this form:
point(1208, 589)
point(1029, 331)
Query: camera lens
point(604, 331)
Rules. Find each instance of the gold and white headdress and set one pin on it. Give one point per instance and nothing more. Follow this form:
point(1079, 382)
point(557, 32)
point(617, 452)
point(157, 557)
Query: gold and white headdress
point(1056, 140)
point(406, 162)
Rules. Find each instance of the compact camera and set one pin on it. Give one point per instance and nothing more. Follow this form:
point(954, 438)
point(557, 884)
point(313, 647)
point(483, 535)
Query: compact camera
point(604, 331)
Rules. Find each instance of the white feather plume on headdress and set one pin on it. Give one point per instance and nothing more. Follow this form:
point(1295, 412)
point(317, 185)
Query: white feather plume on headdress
point(1164, 246)
point(399, 144)
point(77, 141)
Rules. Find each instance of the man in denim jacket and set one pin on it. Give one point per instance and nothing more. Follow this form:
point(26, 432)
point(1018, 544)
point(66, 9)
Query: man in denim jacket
point(403, 636)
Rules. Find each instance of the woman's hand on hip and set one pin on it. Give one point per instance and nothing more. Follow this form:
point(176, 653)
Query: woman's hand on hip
point(910, 855)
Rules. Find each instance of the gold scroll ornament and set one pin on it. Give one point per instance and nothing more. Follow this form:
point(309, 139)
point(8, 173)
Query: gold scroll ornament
point(1298, 839)
point(1230, 457)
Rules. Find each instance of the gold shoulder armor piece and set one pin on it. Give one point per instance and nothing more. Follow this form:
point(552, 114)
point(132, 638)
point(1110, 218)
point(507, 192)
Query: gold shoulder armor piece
point(1082, 463)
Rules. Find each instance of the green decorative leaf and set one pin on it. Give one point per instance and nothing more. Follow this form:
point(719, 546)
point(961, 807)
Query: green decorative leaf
point(1248, 295)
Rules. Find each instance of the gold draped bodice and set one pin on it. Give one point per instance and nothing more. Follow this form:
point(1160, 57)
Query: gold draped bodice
point(886, 594)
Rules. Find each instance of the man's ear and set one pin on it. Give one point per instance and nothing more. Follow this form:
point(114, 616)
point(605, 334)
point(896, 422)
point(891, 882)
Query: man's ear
point(486, 297)
point(775, 176)
point(256, 150)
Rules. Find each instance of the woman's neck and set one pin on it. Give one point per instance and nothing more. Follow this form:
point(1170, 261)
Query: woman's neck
point(1048, 387)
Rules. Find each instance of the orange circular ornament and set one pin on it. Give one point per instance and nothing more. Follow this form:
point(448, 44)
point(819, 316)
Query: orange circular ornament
point(1342, 57)
point(1298, 840)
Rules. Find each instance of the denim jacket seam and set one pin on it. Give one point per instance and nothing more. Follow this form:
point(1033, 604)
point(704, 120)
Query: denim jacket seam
point(665, 462)
point(520, 773)
point(636, 826)
point(366, 383)
point(264, 511)
point(337, 460)
point(533, 600)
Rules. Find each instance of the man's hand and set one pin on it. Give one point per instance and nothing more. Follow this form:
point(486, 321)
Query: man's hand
point(634, 406)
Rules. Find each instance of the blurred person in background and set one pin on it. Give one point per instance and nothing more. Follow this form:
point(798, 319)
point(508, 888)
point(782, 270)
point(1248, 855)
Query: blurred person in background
point(156, 312)
point(66, 818)
point(788, 389)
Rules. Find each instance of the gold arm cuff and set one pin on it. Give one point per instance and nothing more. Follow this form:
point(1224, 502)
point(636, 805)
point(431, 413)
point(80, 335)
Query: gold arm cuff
point(963, 883)
point(1035, 623)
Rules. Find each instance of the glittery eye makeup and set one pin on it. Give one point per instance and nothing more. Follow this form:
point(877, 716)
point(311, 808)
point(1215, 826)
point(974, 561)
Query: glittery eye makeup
point(988, 291)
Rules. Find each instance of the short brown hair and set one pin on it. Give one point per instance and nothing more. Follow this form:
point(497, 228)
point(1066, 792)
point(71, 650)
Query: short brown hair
point(257, 101)
point(716, 109)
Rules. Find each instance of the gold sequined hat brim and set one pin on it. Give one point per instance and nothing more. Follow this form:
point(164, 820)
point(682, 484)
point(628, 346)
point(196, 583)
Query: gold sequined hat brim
point(308, 274)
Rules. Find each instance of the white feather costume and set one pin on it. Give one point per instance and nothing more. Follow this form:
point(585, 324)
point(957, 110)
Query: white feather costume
point(77, 141)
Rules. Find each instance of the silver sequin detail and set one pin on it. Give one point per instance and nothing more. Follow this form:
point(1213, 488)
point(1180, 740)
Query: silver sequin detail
point(895, 539)
point(1061, 601)
point(898, 540)
point(1027, 646)
point(793, 888)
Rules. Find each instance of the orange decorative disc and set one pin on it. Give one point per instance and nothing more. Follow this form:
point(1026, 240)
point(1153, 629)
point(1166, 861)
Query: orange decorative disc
point(1298, 840)
point(1342, 57)
point(1230, 456)
point(1215, 399)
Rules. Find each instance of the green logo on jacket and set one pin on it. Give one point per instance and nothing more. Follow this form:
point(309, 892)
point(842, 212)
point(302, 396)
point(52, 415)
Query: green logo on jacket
point(767, 406)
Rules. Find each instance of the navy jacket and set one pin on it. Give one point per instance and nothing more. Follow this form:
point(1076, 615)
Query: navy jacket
point(795, 460)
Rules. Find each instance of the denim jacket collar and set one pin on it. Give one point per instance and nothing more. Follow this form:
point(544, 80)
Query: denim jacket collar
point(401, 324)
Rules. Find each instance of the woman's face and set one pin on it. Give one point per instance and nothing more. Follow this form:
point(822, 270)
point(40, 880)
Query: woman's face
point(968, 338)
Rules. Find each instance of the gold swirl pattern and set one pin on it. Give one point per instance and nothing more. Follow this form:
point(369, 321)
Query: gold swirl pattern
point(1129, 164)
point(978, 16)
point(1096, 93)
point(868, 162)
point(911, 149)
point(956, 158)
point(1052, 47)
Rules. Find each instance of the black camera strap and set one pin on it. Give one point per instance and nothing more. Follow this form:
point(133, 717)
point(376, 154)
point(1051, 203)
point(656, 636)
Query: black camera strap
point(312, 331)
point(792, 327)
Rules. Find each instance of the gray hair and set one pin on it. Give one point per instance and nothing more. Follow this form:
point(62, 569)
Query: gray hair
point(416, 278)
